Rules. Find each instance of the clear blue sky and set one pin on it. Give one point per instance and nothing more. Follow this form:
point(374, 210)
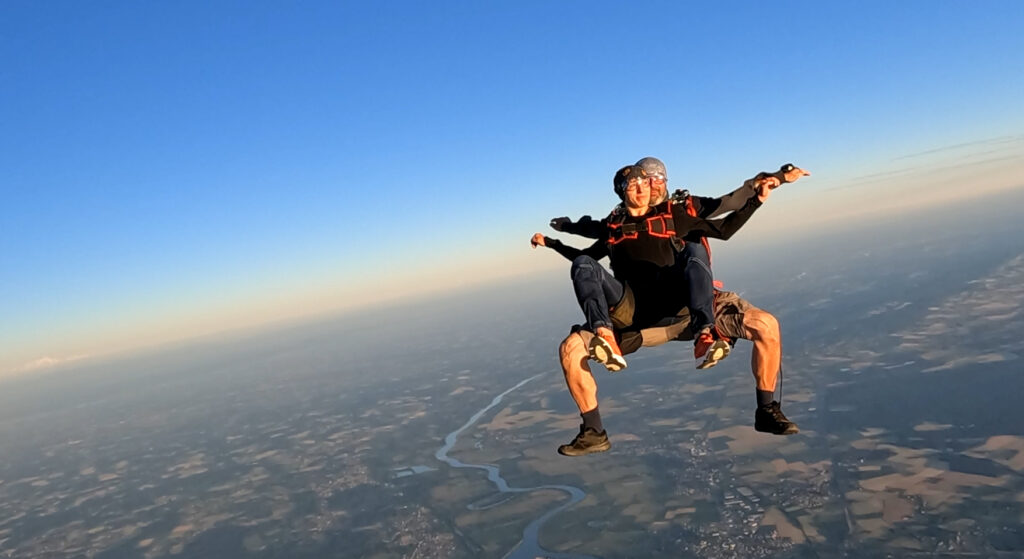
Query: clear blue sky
point(176, 168)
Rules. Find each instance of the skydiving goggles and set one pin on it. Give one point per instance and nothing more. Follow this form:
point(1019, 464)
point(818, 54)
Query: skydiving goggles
point(634, 183)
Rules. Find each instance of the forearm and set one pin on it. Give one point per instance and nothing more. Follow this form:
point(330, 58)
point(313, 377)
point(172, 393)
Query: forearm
point(565, 250)
point(714, 207)
point(594, 251)
point(585, 227)
point(732, 223)
point(722, 228)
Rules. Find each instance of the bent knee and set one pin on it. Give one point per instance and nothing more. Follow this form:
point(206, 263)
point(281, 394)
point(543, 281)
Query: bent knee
point(698, 265)
point(761, 325)
point(572, 350)
point(581, 263)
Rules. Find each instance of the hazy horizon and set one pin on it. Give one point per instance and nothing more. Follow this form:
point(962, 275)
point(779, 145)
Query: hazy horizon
point(737, 263)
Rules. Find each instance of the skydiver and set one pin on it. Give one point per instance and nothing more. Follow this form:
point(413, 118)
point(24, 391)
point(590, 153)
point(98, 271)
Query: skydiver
point(745, 321)
point(638, 239)
point(695, 254)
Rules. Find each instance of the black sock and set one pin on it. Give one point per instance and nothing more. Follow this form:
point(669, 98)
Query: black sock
point(592, 419)
point(765, 397)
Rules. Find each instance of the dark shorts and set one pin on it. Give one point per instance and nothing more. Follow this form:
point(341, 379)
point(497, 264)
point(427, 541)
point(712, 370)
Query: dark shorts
point(730, 309)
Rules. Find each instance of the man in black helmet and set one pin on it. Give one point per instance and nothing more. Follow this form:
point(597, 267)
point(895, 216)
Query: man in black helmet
point(736, 317)
point(643, 288)
point(639, 239)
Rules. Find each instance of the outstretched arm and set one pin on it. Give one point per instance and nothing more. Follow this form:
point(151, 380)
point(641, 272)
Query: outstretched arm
point(597, 251)
point(692, 228)
point(585, 227)
point(714, 207)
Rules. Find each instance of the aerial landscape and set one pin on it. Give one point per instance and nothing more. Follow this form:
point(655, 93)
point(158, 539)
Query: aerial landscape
point(276, 280)
point(903, 377)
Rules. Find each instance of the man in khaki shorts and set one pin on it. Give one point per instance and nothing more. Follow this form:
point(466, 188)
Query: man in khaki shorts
point(734, 316)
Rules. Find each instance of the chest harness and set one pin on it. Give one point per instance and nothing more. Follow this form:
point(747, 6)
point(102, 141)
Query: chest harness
point(660, 224)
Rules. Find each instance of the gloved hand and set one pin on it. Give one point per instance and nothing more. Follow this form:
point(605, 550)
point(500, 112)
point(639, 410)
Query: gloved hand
point(559, 223)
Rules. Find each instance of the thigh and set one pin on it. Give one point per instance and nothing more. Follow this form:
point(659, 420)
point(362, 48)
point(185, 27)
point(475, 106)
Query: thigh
point(730, 310)
point(697, 251)
point(613, 288)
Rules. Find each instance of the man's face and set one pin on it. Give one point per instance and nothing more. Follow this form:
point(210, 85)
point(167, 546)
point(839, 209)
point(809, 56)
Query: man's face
point(638, 193)
point(659, 188)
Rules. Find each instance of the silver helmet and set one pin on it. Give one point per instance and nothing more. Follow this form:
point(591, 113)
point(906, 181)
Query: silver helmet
point(654, 167)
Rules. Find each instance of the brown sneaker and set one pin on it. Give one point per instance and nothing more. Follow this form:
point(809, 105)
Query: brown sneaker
point(586, 442)
point(711, 349)
point(770, 419)
point(605, 350)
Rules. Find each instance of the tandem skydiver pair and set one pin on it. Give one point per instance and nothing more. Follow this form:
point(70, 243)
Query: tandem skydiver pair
point(661, 288)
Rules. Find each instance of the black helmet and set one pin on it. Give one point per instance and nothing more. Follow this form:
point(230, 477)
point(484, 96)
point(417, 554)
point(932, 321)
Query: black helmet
point(621, 180)
point(654, 167)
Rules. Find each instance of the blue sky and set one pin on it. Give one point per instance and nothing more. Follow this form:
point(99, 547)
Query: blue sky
point(175, 169)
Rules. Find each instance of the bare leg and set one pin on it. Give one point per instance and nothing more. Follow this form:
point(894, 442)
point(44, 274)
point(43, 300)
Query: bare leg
point(592, 437)
point(582, 387)
point(762, 328)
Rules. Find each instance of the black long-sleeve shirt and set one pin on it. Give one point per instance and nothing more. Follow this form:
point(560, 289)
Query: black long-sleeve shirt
point(640, 261)
point(705, 208)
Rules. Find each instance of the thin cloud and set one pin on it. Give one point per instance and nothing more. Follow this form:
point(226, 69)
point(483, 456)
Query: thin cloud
point(989, 141)
point(47, 362)
point(966, 161)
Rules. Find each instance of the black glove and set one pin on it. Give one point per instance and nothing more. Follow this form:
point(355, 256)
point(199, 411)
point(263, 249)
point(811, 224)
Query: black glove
point(780, 174)
point(559, 223)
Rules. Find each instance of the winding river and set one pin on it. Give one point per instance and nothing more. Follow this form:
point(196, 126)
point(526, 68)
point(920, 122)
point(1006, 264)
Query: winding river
point(528, 547)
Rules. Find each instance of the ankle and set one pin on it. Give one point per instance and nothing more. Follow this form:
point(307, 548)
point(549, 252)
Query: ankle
point(592, 419)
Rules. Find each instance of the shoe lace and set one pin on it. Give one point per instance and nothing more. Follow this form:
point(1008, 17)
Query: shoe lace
point(775, 410)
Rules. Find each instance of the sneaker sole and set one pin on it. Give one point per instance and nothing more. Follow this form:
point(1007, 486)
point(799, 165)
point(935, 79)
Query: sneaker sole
point(718, 351)
point(792, 429)
point(566, 450)
point(601, 352)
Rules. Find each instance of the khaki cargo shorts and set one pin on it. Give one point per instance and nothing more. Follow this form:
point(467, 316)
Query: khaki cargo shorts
point(730, 309)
